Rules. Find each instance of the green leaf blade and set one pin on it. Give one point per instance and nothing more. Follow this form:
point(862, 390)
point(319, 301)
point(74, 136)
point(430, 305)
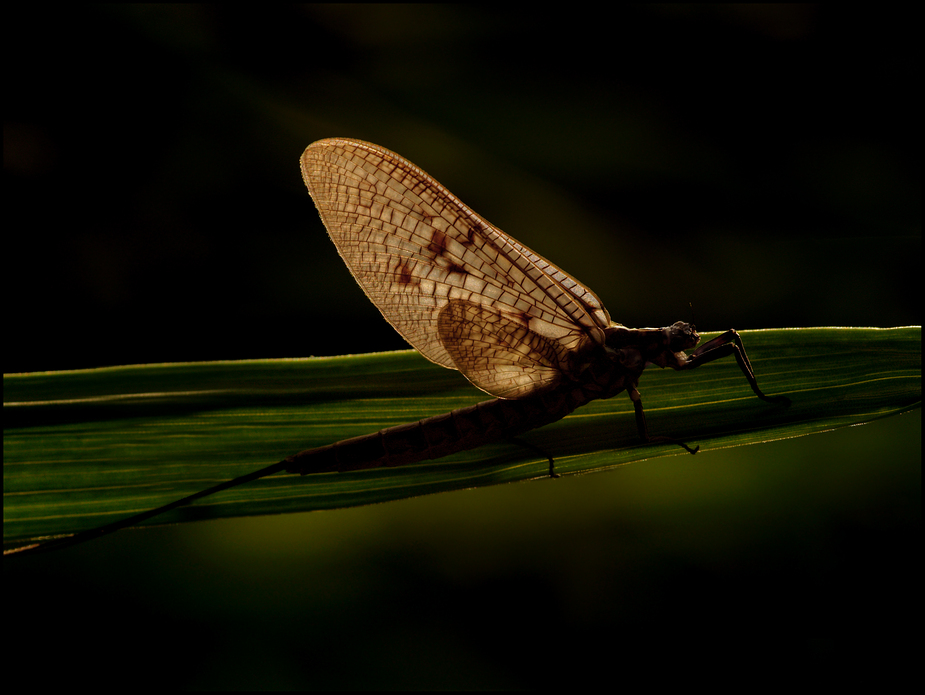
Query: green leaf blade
point(86, 448)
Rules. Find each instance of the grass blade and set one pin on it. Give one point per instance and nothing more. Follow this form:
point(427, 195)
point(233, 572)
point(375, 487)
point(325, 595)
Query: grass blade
point(86, 448)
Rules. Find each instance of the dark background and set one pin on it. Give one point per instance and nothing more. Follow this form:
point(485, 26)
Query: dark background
point(736, 166)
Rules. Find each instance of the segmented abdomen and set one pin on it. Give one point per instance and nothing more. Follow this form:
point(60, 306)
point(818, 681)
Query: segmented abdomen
point(441, 435)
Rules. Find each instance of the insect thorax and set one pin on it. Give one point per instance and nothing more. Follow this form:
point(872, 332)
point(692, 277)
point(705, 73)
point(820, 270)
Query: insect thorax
point(605, 370)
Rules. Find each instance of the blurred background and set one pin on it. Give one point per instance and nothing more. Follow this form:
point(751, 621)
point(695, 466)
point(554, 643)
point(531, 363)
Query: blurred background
point(735, 166)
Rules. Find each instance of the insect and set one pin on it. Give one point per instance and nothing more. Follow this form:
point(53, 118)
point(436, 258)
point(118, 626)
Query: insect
point(467, 297)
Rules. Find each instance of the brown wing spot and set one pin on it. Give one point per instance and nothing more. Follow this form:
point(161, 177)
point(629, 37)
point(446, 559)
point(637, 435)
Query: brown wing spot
point(454, 268)
point(437, 245)
point(405, 276)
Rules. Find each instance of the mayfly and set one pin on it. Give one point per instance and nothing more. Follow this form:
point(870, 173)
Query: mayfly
point(469, 297)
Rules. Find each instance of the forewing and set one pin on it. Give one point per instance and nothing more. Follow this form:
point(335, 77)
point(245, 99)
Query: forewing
point(413, 246)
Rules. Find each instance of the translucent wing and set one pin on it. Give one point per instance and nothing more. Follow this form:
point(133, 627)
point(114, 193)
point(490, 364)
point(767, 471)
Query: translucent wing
point(496, 352)
point(461, 291)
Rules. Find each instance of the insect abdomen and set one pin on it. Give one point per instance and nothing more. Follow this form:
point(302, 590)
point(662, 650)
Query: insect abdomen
point(441, 435)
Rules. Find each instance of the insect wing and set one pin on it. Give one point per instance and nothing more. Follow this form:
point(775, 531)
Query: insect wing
point(500, 354)
point(416, 249)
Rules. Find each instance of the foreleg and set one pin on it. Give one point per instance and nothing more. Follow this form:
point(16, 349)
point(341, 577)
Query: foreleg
point(729, 343)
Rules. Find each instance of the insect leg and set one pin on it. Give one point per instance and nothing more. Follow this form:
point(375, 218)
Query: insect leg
point(537, 450)
point(729, 343)
point(644, 430)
